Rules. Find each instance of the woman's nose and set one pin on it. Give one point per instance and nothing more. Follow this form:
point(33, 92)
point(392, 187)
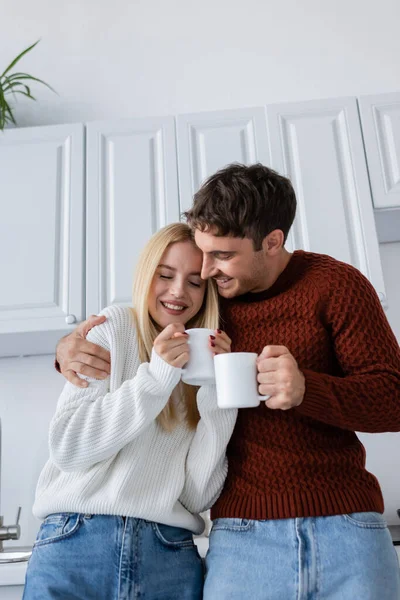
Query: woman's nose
point(177, 289)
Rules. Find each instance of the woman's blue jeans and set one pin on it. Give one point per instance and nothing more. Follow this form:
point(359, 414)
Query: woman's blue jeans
point(87, 557)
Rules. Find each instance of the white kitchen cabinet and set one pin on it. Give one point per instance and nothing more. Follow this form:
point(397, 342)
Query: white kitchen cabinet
point(9, 592)
point(211, 140)
point(380, 116)
point(41, 236)
point(132, 191)
point(318, 145)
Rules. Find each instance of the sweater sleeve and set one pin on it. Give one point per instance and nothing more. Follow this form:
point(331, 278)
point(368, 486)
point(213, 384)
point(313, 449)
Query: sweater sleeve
point(206, 463)
point(92, 424)
point(367, 396)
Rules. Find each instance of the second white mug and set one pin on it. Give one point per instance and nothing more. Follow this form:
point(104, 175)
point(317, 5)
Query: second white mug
point(236, 380)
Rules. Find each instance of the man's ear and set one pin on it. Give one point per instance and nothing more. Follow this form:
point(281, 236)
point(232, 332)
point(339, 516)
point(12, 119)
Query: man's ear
point(273, 242)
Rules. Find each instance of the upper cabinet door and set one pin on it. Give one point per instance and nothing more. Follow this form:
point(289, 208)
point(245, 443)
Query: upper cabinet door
point(41, 235)
point(380, 116)
point(209, 141)
point(132, 192)
point(318, 145)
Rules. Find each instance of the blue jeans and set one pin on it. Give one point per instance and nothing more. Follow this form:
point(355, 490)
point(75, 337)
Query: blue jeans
point(86, 557)
point(344, 557)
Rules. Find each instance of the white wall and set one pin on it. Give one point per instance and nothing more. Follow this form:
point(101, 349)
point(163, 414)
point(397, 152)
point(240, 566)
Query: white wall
point(130, 58)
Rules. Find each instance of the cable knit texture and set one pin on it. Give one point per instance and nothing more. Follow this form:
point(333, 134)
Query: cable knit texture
point(308, 461)
point(110, 456)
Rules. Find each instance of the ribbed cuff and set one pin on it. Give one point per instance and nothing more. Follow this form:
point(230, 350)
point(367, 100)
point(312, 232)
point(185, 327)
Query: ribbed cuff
point(167, 375)
point(316, 395)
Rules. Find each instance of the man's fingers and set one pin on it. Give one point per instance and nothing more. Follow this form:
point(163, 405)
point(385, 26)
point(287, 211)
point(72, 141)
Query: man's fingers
point(268, 377)
point(73, 378)
point(88, 371)
point(84, 327)
point(273, 352)
point(278, 403)
point(265, 365)
point(92, 361)
point(267, 389)
point(85, 347)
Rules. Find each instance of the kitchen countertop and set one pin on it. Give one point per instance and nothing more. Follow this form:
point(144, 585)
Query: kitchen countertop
point(13, 573)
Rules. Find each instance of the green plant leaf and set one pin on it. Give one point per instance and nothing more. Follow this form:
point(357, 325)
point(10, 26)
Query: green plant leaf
point(25, 94)
point(12, 85)
point(14, 62)
point(3, 109)
point(6, 115)
point(13, 76)
point(29, 77)
point(11, 116)
point(16, 83)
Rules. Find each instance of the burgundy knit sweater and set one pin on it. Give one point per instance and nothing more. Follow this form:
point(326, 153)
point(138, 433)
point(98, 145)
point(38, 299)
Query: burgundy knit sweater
point(308, 461)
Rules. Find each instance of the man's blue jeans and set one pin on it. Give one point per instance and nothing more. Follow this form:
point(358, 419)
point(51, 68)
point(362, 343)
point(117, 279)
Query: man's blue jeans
point(108, 558)
point(345, 557)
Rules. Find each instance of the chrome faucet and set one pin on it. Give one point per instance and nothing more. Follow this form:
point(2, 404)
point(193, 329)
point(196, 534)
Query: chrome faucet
point(8, 532)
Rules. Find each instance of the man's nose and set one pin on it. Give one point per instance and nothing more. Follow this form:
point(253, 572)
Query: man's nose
point(207, 268)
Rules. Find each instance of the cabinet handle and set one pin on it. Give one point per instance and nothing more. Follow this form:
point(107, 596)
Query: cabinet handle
point(69, 319)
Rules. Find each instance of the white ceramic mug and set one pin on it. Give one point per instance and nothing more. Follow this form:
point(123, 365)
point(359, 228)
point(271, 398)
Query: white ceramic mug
point(236, 380)
point(199, 370)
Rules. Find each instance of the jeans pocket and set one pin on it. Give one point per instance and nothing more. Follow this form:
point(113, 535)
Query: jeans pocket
point(173, 537)
point(231, 524)
point(367, 520)
point(57, 527)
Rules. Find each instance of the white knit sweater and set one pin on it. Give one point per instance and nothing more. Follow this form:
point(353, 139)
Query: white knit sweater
point(110, 456)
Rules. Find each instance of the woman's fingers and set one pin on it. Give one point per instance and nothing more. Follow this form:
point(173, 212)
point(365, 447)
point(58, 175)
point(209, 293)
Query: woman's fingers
point(220, 343)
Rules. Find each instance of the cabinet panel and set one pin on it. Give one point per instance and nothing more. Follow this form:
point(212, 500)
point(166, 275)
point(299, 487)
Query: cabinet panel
point(209, 141)
point(41, 230)
point(380, 116)
point(132, 191)
point(318, 145)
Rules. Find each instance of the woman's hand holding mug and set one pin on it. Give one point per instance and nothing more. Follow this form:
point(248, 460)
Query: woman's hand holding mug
point(220, 343)
point(172, 345)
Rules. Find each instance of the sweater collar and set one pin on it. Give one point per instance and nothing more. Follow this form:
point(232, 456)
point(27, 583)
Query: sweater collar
point(289, 276)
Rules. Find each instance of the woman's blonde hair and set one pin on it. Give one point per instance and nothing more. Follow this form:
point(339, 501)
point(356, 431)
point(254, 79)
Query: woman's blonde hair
point(147, 330)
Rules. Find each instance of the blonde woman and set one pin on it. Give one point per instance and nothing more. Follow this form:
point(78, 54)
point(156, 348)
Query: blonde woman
point(136, 457)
